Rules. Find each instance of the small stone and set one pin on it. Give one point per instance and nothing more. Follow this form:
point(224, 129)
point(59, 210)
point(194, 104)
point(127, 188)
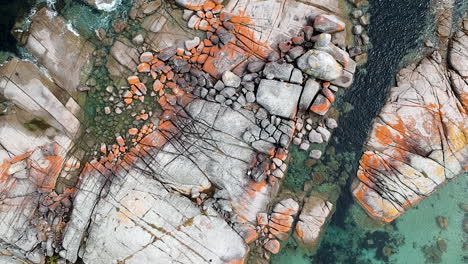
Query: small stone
point(273, 246)
point(429, 44)
point(167, 53)
point(250, 97)
point(365, 39)
point(320, 64)
point(321, 105)
point(304, 146)
point(357, 30)
point(193, 21)
point(297, 141)
point(442, 221)
point(107, 110)
point(219, 85)
point(230, 79)
point(315, 137)
point(296, 76)
point(284, 47)
point(331, 123)
point(110, 89)
point(261, 114)
point(357, 13)
point(138, 39)
point(364, 20)
point(464, 207)
point(255, 66)
point(295, 52)
point(193, 43)
point(273, 56)
point(315, 154)
point(324, 132)
point(308, 32)
point(220, 99)
point(228, 92)
point(187, 14)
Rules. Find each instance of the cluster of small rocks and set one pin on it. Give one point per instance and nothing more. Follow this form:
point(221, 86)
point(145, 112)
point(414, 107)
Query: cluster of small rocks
point(276, 226)
point(53, 209)
point(269, 167)
point(360, 20)
point(231, 90)
point(308, 135)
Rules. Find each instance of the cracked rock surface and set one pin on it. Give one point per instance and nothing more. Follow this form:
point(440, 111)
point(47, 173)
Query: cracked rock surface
point(419, 139)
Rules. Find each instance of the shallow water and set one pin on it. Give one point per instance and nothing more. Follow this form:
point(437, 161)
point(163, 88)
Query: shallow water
point(398, 29)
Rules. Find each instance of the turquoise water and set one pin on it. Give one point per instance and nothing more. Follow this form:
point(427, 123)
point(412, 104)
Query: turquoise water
point(398, 30)
point(358, 241)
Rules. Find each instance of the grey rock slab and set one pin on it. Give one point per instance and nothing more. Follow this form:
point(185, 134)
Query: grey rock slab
point(280, 71)
point(62, 51)
point(279, 98)
point(311, 88)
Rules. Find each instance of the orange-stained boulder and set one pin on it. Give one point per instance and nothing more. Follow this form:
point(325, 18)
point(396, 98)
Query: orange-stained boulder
point(418, 141)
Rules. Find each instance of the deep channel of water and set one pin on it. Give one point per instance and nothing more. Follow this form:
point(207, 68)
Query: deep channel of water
point(397, 31)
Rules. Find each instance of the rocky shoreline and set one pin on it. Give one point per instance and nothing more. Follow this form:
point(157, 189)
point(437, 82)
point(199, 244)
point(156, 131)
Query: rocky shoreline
point(171, 131)
point(211, 119)
point(418, 141)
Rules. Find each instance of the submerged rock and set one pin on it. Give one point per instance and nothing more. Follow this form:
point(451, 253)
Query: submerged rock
point(59, 48)
point(312, 219)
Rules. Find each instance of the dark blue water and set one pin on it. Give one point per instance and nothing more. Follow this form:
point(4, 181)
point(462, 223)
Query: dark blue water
point(10, 10)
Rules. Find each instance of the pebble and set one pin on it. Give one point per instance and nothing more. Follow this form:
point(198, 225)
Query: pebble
point(324, 132)
point(273, 56)
point(295, 52)
point(304, 146)
point(315, 154)
point(138, 40)
point(192, 43)
point(357, 13)
point(357, 30)
point(315, 137)
point(187, 14)
point(231, 79)
point(250, 97)
point(331, 123)
point(255, 66)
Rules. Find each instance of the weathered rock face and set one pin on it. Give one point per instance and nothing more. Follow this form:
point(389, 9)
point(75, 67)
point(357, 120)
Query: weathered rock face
point(419, 139)
point(279, 21)
point(27, 87)
point(123, 59)
point(66, 55)
point(279, 98)
point(23, 181)
point(312, 219)
point(153, 220)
